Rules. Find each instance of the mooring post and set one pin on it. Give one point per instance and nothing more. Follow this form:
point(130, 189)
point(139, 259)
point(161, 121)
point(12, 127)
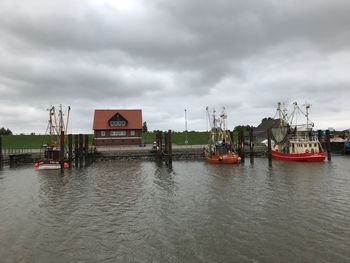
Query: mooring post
point(1, 158)
point(76, 151)
point(81, 161)
point(241, 144)
point(62, 150)
point(166, 148)
point(161, 142)
point(269, 152)
point(86, 148)
point(328, 143)
point(70, 149)
point(251, 145)
point(170, 148)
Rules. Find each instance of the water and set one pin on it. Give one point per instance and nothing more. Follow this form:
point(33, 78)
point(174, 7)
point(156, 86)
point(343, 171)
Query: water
point(140, 212)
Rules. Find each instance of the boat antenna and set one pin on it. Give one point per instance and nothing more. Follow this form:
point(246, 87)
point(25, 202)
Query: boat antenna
point(67, 121)
point(207, 116)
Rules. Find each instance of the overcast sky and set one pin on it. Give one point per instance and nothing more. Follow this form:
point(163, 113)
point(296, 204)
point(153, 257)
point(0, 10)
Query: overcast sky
point(167, 56)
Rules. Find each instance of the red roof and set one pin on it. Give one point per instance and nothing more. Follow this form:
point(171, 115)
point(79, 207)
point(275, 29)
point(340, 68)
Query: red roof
point(101, 118)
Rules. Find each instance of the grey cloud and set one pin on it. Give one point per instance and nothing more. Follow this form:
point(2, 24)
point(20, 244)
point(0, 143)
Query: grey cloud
point(170, 55)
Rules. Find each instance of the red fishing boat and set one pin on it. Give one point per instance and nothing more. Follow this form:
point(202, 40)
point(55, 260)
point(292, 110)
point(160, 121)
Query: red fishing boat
point(295, 142)
point(229, 158)
point(220, 149)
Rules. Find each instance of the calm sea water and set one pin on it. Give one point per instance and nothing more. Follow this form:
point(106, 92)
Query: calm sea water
point(139, 212)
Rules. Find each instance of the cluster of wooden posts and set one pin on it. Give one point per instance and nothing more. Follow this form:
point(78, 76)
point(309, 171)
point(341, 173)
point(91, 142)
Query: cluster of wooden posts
point(80, 155)
point(241, 143)
point(164, 150)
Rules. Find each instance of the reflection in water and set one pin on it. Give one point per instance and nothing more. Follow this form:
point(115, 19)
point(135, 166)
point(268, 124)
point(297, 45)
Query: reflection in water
point(195, 212)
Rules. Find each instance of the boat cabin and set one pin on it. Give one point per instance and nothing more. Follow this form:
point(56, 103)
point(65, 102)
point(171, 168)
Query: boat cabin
point(299, 145)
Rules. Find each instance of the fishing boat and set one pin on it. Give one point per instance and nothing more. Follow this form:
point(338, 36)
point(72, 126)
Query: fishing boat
point(219, 149)
point(52, 151)
point(294, 142)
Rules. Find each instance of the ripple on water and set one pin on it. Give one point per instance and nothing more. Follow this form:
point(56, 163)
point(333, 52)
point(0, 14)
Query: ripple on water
point(139, 212)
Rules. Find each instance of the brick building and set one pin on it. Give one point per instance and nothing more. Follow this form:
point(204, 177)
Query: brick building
point(117, 127)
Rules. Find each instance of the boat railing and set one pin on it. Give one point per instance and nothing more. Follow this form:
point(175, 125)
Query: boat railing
point(304, 139)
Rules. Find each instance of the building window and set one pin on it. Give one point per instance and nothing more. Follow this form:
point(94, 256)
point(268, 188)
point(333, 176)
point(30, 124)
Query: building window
point(118, 133)
point(103, 133)
point(132, 133)
point(117, 123)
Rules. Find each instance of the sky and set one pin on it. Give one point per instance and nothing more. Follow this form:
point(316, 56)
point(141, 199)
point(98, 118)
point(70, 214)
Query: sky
point(165, 56)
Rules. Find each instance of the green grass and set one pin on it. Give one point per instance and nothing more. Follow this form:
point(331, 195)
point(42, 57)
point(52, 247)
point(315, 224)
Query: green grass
point(27, 141)
point(193, 138)
point(36, 141)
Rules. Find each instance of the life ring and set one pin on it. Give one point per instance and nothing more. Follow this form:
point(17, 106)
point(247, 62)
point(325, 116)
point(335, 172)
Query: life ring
point(307, 151)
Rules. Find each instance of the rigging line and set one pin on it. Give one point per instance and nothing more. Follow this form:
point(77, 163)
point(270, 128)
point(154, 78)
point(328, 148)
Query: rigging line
point(55, 119)
point(45, 135)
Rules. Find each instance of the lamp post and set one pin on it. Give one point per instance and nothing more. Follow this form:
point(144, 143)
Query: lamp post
point(186, 140)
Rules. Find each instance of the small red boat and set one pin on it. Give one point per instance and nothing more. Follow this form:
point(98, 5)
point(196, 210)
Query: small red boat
point(228, 158)
point(300, 157)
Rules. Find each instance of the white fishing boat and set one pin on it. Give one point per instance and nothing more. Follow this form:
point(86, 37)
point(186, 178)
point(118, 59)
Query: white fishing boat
point(296, 142)
point(52, 151)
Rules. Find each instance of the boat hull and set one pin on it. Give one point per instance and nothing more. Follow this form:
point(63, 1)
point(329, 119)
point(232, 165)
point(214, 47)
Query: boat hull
point(347, 147)
point(302, 157)
point(49, 167)
point(223, 159)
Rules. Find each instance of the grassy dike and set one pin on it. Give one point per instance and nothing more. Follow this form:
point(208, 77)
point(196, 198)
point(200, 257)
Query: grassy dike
point(36, 141)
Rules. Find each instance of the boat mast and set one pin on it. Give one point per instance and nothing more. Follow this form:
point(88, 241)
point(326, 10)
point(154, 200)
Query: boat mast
point(50, 126)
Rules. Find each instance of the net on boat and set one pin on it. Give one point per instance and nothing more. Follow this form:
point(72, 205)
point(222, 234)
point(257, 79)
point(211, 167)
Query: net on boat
point(279, 134)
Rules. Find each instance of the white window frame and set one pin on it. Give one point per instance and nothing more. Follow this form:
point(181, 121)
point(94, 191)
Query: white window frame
point(117, 123)
point(118, 133)
point(103, 133)
point(132, 133)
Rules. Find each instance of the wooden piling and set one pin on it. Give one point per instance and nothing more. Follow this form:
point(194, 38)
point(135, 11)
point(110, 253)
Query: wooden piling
point(161, 142)
point(241, 144)
point(166, 143)
point(1, 158)
point(62, 150)
point(86, 148)
point(170, 149)
point(328, 145)
point(76, 151)
point(269, 151)
point(251, 145)
point(81, 156)
point(70, 149)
